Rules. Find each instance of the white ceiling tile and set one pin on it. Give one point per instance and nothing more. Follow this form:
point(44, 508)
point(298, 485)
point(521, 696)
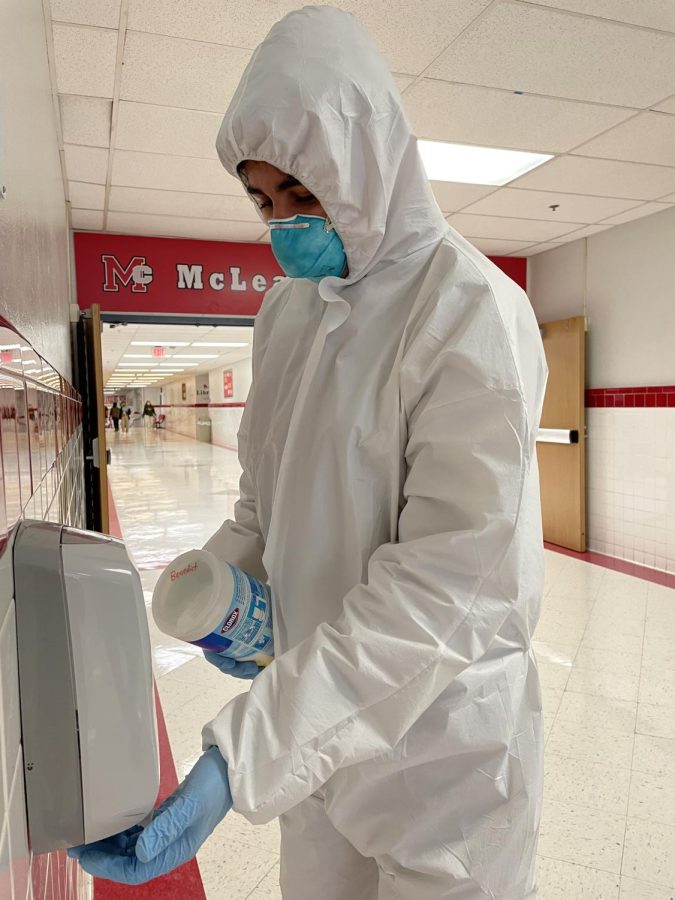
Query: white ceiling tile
point(650, 13)
point(526, 230)
point(638, 212)
point(104, 13)
point(408, 40)
point(244, 25)
point(667, 106)
point(648, 138)
point(580, 233)
point(85, 120)
point(183, 204)
point(85, 60)
point(536, 205)
point(543, 51)
point(475, 115)
point(86, 196)
point(173, 226)
point(172, 173)
point(90, 219)
point(403, 81)
point(86, 163)
point(601, 178)
point(540, 248)
point(452, 196)
point(491, 247)
point(174, 72)
point(162, 129)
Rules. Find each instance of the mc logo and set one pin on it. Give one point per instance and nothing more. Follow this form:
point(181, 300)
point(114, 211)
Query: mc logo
point(136, 272)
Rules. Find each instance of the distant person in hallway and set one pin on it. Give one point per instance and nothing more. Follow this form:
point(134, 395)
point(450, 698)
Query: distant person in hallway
point(148, 414)
point(124, 421)
point(115, 413)
point(390, 497)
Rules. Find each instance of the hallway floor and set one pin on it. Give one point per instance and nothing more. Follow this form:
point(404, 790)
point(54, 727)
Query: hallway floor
point(605, 646)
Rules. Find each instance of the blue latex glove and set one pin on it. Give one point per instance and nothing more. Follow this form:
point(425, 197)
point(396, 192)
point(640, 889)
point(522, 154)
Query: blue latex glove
point(246, 670)
point(178, 829)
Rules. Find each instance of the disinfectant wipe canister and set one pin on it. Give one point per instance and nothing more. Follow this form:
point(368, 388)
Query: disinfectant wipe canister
point(216, 606)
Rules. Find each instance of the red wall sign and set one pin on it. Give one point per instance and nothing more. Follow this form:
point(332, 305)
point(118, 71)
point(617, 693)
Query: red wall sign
point(127, 273)
point(228, 383)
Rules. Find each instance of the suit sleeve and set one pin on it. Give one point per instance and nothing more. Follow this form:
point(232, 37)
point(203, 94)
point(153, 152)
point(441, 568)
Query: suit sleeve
point(433, 601)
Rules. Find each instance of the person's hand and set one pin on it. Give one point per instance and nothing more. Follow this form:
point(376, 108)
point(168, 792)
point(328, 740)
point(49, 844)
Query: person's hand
point(246, 670)
point(177, 830)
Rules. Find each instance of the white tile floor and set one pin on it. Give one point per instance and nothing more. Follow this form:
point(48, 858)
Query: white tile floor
point(606, 645)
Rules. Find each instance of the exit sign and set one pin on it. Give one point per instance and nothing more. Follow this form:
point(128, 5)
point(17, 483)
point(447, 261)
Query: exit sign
point(158, 351)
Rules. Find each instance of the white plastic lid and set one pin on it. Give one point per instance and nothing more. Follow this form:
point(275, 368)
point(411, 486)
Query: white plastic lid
point(192, 595)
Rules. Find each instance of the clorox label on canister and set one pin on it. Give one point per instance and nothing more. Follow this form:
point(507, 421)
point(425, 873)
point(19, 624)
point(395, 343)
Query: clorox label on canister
point(246, 628)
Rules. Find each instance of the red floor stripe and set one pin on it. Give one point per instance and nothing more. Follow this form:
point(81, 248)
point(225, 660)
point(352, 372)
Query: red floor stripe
point(184, 883)
point(656, 576)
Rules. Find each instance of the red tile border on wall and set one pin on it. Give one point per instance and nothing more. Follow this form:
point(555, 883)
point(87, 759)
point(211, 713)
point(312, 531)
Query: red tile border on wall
point(631, 397)
point(655, 576)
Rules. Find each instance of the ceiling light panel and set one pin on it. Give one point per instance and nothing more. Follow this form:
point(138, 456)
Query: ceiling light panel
point(220, 344)
point(160, 343)
point(476, 165)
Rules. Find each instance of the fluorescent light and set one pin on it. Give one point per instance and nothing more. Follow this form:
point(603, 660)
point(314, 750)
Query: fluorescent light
point(140, 356)
point(195, 356)
point(220, 344)
point(10, 347)
point(476, 165)
point(160, 343)
point(185, 365)
point(137, 365)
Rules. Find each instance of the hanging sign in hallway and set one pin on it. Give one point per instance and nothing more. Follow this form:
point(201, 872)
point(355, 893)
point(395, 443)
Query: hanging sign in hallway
point(135, 274)
point(127, 273)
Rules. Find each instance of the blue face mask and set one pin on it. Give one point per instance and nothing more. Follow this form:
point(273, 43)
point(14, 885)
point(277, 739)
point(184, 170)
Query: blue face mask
point(307, 247)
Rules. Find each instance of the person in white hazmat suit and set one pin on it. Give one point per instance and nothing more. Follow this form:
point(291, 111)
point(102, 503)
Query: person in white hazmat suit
point(390, 497)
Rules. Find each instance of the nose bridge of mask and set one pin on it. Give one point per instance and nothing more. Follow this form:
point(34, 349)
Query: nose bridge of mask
point(298, 221)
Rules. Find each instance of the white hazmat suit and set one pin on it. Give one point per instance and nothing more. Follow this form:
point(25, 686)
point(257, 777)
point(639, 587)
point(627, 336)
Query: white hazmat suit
point(390, 496)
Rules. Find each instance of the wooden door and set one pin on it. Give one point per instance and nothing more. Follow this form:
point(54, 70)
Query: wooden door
point(89, 369)
point(561, 448)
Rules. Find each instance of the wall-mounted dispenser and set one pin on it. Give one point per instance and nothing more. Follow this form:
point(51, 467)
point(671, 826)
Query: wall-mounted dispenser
point(85, 677)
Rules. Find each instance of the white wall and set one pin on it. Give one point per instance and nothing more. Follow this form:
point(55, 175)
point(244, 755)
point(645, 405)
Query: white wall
point(226, 420)
point(182, 415)
point(34, 249)
point(631, 303)
point(623, 280)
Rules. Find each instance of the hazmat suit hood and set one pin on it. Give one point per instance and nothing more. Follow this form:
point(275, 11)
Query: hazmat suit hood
point(318, 102)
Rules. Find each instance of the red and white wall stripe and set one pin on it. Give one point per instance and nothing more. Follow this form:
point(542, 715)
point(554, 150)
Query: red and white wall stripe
point(631, 474)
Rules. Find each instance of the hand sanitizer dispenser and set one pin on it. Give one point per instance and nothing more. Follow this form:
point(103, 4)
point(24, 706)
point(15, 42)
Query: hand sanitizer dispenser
point(85, 678)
